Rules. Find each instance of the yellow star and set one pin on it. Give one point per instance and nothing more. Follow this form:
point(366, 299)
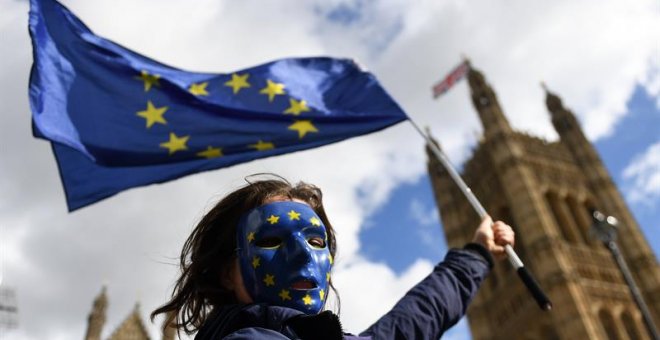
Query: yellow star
point(307, 299)
point(322, 294)
point(175, 143)
point(327, 276)
point(269, 280)
point(284, 294)
point(272, 89)
point(273, 219)
point(250, 236)
point(296, 107)
point(330, 259)
point(293, 215)
point(315, 221)
point(149, 80)
point(199, 89)
point(238, 82)
point(303, 127)
point(256, 262)
point(262, 146)
point(153, 114)
point(210, 152)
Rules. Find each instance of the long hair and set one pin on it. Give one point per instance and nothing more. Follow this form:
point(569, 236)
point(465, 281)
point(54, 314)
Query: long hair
point(208, 253)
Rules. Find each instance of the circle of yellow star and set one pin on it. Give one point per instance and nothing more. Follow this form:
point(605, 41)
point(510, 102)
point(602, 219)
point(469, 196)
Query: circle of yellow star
point(199, 89)
point(293, 215)
point(269, 280)
point(153, 114)
point(149, 80)
point(272, 89)
point(175, 143)
point(210, 152)
point(303, 127)
point(307, 300)
point(262, 146)
point(238, 82)
point(284, 295)
point(296, 107)
point(256, 261)
point(250, 236)
point(315, 221)
point(272, 219)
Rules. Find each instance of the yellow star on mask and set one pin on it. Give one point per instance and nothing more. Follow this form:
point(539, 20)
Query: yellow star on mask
point(175, 143)
point(153, 114)
point(199, 89)
point(269, 280)
point(327, 276)
point(210, 152)
point(284, 294)
point(272, 219)
point(315, 221)
point(307, 299)
point(149, 80)
point(238, 82)
point(321, 294)
point(330, 259)
point(303, 127)
point(256, 262)
point(250, 236)
point(272, 89)
point(262, 146)
point(293, 215)
point(296, 107)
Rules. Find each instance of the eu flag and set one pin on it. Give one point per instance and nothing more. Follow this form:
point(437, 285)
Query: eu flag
point(117, 119)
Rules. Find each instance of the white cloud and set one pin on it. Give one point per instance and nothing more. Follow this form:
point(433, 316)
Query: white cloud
point(590, 53)
point(369, 289)
point(425, 216)
point(642, 177)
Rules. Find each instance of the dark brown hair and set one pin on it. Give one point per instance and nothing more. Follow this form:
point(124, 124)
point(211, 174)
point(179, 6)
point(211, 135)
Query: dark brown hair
point(208, 253)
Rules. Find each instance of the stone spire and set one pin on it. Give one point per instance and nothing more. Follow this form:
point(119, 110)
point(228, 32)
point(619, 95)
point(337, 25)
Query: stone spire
point(132, 327)
point(485, 102)
point(96, 318)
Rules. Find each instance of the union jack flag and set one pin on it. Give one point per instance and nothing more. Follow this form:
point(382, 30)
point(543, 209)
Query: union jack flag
point(455, 75)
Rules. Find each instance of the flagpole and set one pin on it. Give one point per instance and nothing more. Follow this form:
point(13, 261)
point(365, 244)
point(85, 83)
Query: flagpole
point(531, 284)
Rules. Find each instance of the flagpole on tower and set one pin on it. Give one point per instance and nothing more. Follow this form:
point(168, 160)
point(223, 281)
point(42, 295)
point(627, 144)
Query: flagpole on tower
point(529, 281)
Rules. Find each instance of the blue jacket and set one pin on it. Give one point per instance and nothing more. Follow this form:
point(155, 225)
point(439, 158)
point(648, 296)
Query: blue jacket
point(425, 312)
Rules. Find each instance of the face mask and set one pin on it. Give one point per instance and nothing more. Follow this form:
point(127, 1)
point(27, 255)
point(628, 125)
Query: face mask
point(284, 256)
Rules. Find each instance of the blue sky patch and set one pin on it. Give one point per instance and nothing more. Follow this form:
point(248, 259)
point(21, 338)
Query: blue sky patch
point(404, 229)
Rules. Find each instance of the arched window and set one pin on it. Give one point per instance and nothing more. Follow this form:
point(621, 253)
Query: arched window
point(562, 217)
point(580, 216)
point(630, 326)
point(608, 324)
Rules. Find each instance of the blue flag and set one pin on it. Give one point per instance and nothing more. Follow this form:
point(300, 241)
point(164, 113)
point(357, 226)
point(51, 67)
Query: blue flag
point(118, 120)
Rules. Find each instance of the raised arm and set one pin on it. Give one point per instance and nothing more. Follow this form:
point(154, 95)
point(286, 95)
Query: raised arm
point(441, 299)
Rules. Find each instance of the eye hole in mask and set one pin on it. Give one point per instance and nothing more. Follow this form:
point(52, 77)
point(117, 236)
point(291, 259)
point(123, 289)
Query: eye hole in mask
point(316, 242)
point(269, 242)
point(276, 242)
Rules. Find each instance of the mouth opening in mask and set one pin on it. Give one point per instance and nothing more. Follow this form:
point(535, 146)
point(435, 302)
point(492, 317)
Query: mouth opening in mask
point(303, 284)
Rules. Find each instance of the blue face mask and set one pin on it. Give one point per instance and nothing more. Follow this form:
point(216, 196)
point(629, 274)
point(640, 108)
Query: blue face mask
point(284, 256)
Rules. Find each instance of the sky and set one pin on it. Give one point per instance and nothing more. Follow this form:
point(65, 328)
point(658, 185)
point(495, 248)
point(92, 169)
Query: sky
point(601, 57)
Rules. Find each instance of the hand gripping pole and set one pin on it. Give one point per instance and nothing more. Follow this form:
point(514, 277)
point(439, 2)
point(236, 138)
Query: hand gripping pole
point(515, 261)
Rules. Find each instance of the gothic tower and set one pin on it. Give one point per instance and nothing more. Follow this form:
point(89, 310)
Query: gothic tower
point(131, 328)
point(96, 317)
point(545, 190)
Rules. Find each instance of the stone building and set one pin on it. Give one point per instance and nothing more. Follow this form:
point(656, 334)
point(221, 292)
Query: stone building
point(132, 328)
point(545, 190)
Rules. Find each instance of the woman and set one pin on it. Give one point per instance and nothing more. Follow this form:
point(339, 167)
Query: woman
point(258, 266)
